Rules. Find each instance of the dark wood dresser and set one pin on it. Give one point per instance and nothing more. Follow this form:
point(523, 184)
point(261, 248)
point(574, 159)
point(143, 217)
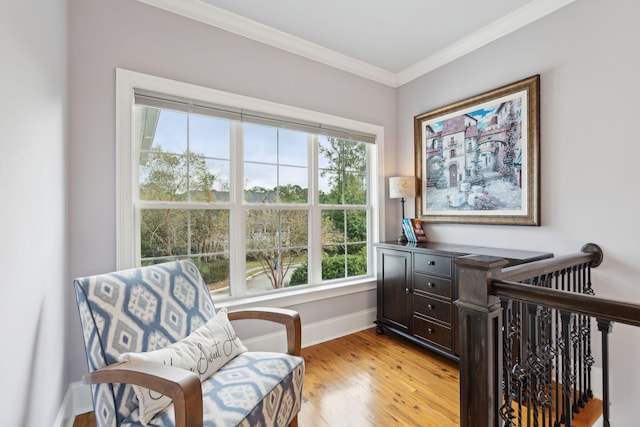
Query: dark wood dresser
point(417, 285)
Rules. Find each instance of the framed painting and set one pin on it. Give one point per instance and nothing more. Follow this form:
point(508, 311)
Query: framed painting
point(478, 159)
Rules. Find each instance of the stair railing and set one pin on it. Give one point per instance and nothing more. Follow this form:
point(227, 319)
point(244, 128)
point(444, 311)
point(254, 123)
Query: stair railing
point(525, 339)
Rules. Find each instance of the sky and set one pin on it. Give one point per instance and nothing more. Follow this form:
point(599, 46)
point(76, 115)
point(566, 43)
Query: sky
point(272, 156)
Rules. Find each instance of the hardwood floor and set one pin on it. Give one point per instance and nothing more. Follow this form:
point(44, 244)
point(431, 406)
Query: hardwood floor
point(366, 380)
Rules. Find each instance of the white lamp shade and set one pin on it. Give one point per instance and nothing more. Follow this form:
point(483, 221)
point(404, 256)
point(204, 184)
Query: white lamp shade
point(402, 186)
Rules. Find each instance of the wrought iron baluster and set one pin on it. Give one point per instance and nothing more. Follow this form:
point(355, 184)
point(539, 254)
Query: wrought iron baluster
point(567, 414)
point(557, 276)
point(580, 386)
point(518, 372)
point(589, 360)
point(547, 354)
point(605, 327)
point(575, 337)
point(507, 411)
point(548, 357)
point(533, 366)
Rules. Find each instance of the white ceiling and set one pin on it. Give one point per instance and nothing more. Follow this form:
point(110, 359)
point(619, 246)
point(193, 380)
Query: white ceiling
point(389, 41)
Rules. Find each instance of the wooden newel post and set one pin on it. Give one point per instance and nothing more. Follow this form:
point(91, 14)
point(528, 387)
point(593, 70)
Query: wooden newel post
point(480, 343)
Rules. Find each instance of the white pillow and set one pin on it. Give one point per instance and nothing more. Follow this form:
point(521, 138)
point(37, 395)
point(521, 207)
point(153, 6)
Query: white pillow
point(203, 352)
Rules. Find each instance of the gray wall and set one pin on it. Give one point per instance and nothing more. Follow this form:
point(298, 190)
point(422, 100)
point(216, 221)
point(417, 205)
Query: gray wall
point(586, 54)
point(127, 34)
point(588, 58)
point(33, 233)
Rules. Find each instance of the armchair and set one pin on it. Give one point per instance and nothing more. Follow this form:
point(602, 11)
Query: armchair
point(145, 309)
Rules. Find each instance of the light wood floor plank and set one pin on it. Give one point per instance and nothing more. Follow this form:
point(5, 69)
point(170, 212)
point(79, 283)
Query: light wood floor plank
point(366, 380)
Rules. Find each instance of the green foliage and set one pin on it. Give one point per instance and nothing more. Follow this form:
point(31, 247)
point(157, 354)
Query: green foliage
point(346, 173)
point(300, 275)
point(213, 269)
point(333, 266)
point(292, 194)
point(271, 234)
point(175, 177)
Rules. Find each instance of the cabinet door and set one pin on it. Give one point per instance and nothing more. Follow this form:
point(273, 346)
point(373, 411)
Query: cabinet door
point(394, 284)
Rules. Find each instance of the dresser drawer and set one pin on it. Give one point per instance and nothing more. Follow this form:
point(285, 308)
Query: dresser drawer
point(433, 264)
point(432, 332)
point(432, 284)
point(432, 307)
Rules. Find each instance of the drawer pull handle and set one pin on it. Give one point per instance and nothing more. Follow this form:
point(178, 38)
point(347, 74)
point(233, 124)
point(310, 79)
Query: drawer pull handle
point(431, 285)
point(430, 331)
point(431, 306)
point(406, 290)
point(431, 263)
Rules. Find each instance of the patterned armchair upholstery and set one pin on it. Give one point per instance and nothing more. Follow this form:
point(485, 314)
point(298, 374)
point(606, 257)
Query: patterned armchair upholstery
point(147, 308)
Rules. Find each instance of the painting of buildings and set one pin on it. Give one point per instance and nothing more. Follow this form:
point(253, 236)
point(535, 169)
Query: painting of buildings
point(473, 161)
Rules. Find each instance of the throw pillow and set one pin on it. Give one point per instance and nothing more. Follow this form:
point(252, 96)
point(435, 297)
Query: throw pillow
point(203, 352)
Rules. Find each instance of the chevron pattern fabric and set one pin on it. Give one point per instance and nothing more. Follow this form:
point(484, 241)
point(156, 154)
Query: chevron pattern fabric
point(147, 308)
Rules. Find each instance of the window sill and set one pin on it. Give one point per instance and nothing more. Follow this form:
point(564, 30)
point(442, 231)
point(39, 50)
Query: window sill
point(302, 296)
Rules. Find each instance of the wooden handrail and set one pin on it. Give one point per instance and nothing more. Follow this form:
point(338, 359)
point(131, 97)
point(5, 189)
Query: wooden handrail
point(589, 305)
point(482, 282)
point(590, 253)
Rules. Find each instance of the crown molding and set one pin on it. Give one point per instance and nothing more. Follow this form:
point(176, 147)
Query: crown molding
point(212, 15)
point(499, 28)
point(217, 17)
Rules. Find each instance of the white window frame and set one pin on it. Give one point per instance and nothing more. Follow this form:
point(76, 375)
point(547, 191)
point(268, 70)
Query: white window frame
point(127, 236)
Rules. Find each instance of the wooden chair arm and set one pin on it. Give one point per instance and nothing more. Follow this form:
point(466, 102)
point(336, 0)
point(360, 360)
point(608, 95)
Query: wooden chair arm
point(181, 385)
point(289, 318)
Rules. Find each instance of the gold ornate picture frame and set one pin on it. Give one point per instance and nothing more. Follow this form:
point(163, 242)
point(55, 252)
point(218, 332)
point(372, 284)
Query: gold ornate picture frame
point(478, 159)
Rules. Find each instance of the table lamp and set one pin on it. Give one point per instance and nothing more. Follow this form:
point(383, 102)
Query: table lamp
point(399, 188)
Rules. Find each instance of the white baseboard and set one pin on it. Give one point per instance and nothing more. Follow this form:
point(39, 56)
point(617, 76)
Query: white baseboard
point(77, 399)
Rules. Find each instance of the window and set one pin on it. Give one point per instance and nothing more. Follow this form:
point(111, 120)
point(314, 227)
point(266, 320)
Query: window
point(261, 201)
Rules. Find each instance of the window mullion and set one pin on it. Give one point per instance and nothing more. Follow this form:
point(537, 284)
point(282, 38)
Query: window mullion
point(315, 214)
point(237, 214)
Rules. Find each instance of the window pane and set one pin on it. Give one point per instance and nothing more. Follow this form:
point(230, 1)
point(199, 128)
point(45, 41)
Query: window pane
point(293, 185)
point(170, 133)
point(209, 231)
point(355, 188)
point(208, 179)
point(163, 233)
point(210, 137)
point(276, 245)
point(333, 262)
point(292, 148)
point(260, 182)
point(356, 260)
point(274, 268)
point(211, 183)
point(342, 154)
point(333, 226)
point(342, 175)
point(275, 168)
point(260, 144)
point(272, 228)
point(327, 193)
point(357, 226)
point(215, 272)
point(162, 176)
